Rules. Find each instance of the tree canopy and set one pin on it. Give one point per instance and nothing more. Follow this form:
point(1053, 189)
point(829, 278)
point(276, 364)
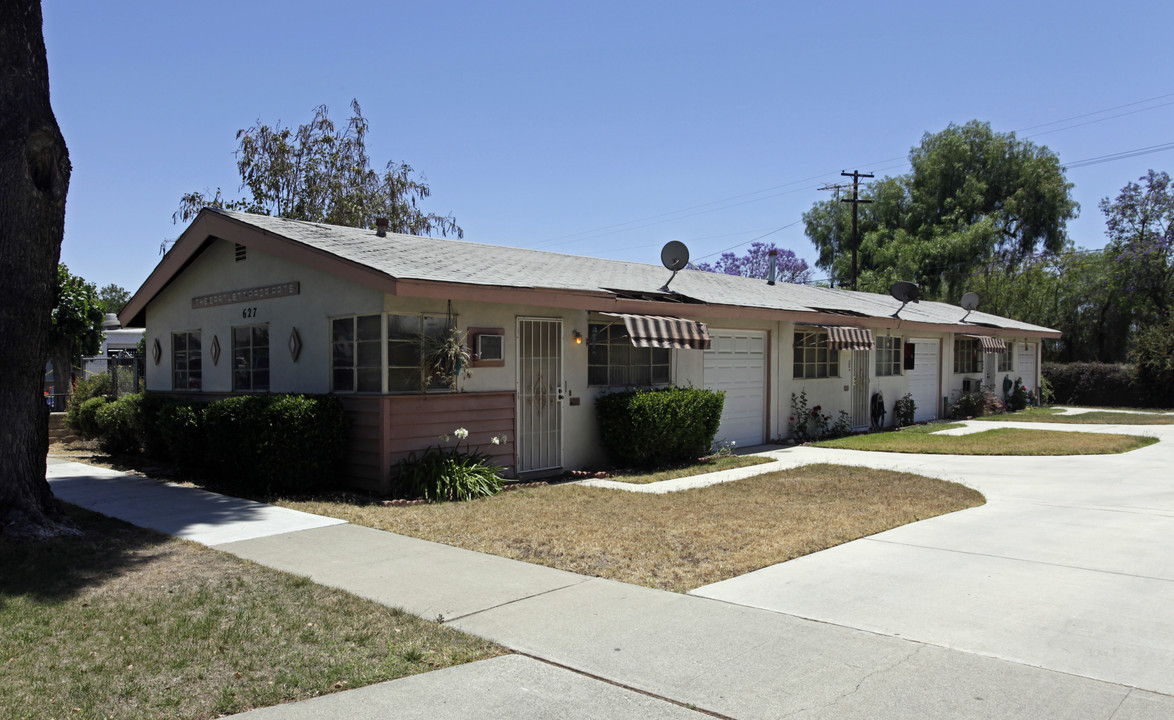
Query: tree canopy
point(756, 264)
point(112, 297)
point(974, 198)
point(77, 315)
point(1140, 222)
point(322, 174)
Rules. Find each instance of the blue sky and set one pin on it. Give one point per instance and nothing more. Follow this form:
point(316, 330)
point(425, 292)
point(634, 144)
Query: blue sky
point(602, 129)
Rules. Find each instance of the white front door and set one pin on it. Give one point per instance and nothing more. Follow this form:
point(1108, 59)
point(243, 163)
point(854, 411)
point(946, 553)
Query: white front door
point(736, 363)
point(1025, 364)
point(924, 380)
point(860, 399)
point(540, 379)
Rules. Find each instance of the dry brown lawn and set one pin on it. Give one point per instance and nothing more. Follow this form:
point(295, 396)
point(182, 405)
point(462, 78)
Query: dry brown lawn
point(128, 623)
point(677, 541)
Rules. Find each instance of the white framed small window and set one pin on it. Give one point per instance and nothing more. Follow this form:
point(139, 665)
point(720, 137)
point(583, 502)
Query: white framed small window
point(490, 347)
point(889, 356)
point(186, 361)
point(813, 358)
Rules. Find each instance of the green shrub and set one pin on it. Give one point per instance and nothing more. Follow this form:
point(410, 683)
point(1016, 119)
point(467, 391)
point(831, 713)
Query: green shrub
point(1097, 384)
point(96, 386)
point(1153, 349)
point(656, 428)
point(967, 405)
point(446, 475)
point(904, 410)
point(1017, 400)
point(273, 443)
point(804, 424)
point(83, 417)
point(120, 425)
point(176, 433)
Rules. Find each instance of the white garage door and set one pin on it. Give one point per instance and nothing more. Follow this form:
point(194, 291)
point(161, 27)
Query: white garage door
point(924, 384)
point(736, 363)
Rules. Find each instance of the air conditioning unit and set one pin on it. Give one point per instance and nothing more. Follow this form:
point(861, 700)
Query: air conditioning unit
point(971, 385)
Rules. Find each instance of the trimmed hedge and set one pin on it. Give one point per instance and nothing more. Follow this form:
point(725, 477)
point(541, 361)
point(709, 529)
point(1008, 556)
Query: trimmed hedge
point(257, 443)
point(94, 387)
point(275, 443)
point(1097, 384)
point(120, 425)
point(654, 428)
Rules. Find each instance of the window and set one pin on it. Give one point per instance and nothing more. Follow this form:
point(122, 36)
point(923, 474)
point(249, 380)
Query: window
point(967, 355)
point(490, 347)
point(411, 339)
point(613, 361)
point(186, 362)
point(813, 359)
point(356, 354)
point(889, 356)
point(250, 358)
point(1005, 363)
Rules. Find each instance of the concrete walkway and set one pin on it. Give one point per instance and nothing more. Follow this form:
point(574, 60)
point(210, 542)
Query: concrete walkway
point(1052, 601)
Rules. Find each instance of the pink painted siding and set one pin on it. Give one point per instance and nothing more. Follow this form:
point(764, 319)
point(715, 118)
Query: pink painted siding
point(385, 429)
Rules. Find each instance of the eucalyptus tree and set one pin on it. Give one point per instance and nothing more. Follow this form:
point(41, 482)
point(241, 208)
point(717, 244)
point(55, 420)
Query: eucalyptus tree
point(320, 173)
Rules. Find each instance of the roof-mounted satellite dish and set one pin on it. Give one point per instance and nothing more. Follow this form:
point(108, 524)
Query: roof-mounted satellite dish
point(675, 257)
point(905, 292)
point(969, 303)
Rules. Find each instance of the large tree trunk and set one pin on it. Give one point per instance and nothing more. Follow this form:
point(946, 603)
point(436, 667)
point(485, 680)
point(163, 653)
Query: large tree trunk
point(34, 177)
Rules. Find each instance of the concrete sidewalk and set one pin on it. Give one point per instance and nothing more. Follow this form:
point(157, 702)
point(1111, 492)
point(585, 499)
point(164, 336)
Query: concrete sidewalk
point(886, 633)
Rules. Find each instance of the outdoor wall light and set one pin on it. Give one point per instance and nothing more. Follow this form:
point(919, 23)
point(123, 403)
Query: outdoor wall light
point(578, 337)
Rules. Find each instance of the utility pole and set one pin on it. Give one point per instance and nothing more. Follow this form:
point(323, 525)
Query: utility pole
point(855, 200)
point(835, 188)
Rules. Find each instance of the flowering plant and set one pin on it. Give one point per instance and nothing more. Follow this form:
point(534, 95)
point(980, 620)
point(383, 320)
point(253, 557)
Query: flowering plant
point(449, 473)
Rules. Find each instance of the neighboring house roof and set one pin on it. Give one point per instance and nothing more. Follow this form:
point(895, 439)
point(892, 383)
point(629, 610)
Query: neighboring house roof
point(403, 264)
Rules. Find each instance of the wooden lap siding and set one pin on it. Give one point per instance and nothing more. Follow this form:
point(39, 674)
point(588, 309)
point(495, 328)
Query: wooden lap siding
point(384, 429)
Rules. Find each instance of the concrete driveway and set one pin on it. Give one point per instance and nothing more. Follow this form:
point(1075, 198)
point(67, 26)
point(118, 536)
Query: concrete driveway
point(1067, 567)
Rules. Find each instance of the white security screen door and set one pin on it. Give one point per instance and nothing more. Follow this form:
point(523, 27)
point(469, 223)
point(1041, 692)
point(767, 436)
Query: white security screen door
point(860, 399)
point(540, 379)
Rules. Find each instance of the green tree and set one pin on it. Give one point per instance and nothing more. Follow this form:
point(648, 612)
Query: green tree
point(974, 198)
point(34, 180)
point(1140, 224)
point(77, 326)
point(321, 174)
point(112, 297)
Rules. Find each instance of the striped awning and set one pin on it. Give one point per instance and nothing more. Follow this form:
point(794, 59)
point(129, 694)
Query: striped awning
point(849, 338)
point(990, 344)
point(665, 332)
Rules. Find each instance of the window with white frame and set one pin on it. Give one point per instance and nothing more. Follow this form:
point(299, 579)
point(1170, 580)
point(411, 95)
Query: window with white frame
point(356, 353)
point(1005, 362)
point(613, 361)
point(414, 346)
point(889, 358)
point(186, 361)
point(813, 358)
point(250, 358)
point(967, 354)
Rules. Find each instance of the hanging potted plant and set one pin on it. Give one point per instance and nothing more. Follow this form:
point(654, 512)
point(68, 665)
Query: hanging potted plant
point(445, 357)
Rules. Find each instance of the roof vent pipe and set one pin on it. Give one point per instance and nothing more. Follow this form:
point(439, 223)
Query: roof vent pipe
point(381, 227)
point(773, 259)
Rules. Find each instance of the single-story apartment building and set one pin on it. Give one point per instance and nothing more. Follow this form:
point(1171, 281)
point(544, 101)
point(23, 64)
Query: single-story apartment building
point(254, 304)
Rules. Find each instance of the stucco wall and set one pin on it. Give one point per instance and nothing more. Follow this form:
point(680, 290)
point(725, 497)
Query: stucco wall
point(216, 270)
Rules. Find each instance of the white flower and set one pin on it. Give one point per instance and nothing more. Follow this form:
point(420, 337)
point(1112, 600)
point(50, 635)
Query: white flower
point(444, 437)
point(461, 433)
point(498, 439)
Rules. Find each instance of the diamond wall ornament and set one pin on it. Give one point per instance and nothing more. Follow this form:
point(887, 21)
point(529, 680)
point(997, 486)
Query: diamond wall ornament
point(215, 350)
point(156, 351)
point(295, 344)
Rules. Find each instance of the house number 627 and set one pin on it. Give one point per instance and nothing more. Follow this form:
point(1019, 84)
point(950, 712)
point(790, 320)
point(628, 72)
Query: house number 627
point(249, 312)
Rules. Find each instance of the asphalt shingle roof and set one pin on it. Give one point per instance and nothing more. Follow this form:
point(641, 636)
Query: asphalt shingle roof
point(442, 260)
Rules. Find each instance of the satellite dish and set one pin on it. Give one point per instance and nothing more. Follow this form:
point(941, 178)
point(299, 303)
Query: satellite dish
point(905, 292)
point(675, 257)
point(969, 303)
